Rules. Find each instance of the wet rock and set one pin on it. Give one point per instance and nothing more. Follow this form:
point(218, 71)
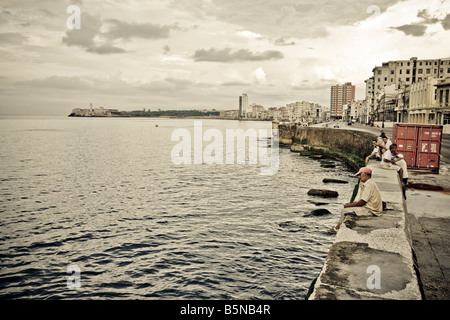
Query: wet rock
point(291, 226)
point(327, 180)
point(323, 193)
point(306, 153)
point(284, 141)
point(318, 212)
point(297, 148)
point(328, 165)
point(318, 203)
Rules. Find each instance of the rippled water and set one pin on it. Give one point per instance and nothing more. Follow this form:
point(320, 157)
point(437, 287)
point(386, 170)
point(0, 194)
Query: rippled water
point(103, 194)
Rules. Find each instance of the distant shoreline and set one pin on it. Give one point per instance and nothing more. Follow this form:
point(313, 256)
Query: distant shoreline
point(173, 117)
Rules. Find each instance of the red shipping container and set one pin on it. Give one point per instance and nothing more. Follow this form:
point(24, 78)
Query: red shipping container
point(420, 144)
point(429, 147)
point(406, 139)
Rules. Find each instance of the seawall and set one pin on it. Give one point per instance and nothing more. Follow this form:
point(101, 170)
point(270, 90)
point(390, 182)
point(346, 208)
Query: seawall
point(358, 143)
point(371, 257)
point(349, 146)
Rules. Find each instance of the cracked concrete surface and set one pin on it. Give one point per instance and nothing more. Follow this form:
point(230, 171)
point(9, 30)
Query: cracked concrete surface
point(383, 242)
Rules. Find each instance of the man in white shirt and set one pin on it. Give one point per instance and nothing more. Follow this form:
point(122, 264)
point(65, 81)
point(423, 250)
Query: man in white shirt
point(376, 153)
point(390, 160)
point(387, 142)
point(367, 203)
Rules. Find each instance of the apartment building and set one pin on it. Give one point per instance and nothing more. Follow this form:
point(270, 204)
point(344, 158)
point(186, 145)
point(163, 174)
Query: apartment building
point(340, 95)
point(406, 72)
point(443, 103)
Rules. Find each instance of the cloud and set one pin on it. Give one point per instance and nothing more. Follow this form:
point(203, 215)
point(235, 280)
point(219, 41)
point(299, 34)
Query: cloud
point(12, 38)
point(277, 18)
point(415, 30)
point(226, 55)
point(418, 29)
point(427, 19)
point(284, 41)
point(259, 75)
point(249, 34)
point(126, 31)
point(105, 49)
point(446, 22)
point(91, 38)
point(321, 84)
point(4, 16)
point(166, 50)
point(235, 84)
point(87, 37)
point(57, 82)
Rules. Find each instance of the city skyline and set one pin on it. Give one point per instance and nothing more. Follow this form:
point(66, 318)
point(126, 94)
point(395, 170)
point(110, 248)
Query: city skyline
point(204, 53)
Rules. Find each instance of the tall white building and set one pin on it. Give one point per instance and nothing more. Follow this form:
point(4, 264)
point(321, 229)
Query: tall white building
point(243, 105)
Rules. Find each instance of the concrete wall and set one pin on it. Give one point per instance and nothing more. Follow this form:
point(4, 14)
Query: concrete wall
point(355, 142)
point(286, 133)
point(387, 124)
point(447, 129)
point(372, 257)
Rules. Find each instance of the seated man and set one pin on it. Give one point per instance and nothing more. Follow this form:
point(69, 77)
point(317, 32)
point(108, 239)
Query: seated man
point(390, 160)
point(367, 203)
point(387, 143)
point(384, 143)
point(376, 154)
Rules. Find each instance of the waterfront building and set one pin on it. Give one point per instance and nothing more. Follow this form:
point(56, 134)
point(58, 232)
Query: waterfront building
point(300, 112)
point(340, 95)
point(443, 104)
point(422, 101)
point(92, 112)
point(407, 72)
point(386, 103)
point(369, 100)
point(243, 105)
point(229, 114)
point(255, 111)
point(403, 74)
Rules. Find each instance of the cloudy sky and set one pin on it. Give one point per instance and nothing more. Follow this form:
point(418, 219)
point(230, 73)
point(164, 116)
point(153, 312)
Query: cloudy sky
point(186, 54)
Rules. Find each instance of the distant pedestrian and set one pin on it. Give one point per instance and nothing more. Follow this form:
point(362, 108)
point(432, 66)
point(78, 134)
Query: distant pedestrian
point(368, 200)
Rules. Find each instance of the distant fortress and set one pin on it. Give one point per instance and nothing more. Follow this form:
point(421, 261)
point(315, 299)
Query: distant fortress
point(102, 112)
point(91, 112)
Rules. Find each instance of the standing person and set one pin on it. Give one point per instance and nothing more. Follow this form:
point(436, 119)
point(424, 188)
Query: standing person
point(367, 203)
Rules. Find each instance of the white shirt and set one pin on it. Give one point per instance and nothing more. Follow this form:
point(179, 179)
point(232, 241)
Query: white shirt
point(388, 144)
point(387, 155)
point(377, 150)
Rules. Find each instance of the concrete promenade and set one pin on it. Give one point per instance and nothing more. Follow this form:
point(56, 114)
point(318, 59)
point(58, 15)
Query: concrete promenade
point(428, 217)
point(372, 257)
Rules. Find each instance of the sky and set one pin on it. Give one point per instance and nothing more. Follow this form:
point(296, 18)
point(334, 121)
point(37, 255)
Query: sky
point(203, 54)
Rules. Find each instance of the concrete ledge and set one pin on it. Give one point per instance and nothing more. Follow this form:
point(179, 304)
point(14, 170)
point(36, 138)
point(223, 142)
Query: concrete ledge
point(367, 242)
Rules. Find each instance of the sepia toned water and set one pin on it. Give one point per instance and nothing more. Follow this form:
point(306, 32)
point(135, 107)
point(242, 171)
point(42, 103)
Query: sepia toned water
point(103, 195)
